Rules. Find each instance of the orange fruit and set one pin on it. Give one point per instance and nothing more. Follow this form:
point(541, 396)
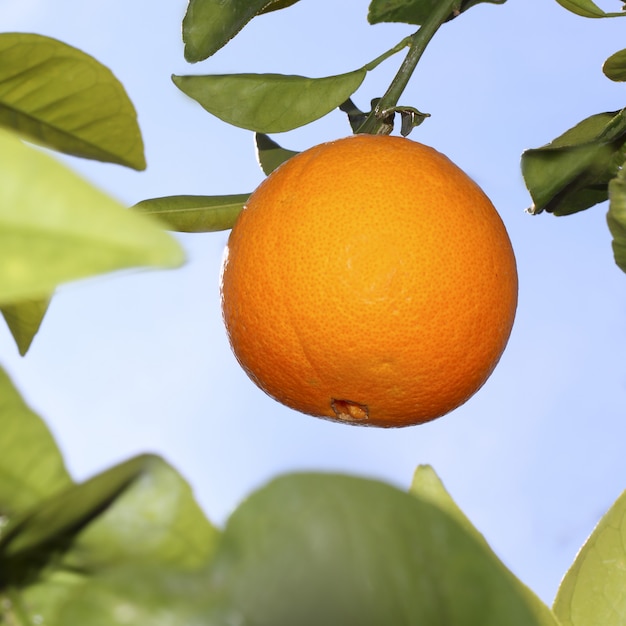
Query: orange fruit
point(369, 280)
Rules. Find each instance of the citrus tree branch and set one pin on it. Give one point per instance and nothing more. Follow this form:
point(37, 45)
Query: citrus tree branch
point(376, 122)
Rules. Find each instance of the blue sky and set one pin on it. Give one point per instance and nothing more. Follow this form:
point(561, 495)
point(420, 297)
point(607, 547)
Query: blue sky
point(140, 361)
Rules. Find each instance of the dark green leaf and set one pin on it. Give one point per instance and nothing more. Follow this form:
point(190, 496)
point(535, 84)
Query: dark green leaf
point(374, 554)
point(270, 103)
point(56, 227)
point(586, 8)
point(209, 25)
point(592, 591)
point(413, 11)
point(269, 154)
point(615, 66)
point(572, 172)
point(62, 98)
point(616, 217)
point(24, 320)
point(31, 465)
point(279, 4)
point(194, 214)
point(356, 117)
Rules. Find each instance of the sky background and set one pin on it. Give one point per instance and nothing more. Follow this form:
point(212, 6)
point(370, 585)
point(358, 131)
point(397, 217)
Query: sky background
point(140, 362)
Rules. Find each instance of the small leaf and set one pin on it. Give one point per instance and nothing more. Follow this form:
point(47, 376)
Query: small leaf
point(592, 591)
point(24, 320)
point(209, 25)
point(194, 214)
point(586, 8)
point(572, 172)
point(56, 227)
point(31, 465)
point(375, 555)
point(269, 103)
point(64, 99)
point(616, 217)
point(356, 117)
point(615, 66)
point(413, 11)
point(269, 154)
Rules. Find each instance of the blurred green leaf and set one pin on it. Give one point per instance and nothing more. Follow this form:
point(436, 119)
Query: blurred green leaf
point(412, 11)
point(209, 25)
point(155, 521)
point(31, 465)
point(374, 554)
point(616, 217)
point(62, 228)
point(42, 529)
point(269, 103)
point(120, 596)
point(138, 512)
point(269, 154)
point(428, 486)
point(194, 214)
point(62, 98)
point(615, 66)
point(586, 8)
point(129, 545)
point(24, 320)
point(572, 172)
point(592, 591)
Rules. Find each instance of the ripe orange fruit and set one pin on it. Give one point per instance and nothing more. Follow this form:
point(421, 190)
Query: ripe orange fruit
point(369, 280)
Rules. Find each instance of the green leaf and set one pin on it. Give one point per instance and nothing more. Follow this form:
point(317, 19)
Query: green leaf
point(616, 217)
point(592, 591)
point(572, 172)
point(269, 154)
point(209, 25)
point(129, 546)
point(155, 521)
point(31, 465)
point(194, 214)
point(413, 11)
point(269, 103)
point(428, 486)
point(278, 4)
point(64, 99)
point(56, 227)
point(139, 512)
point(126, 595)
point(615, 66)
point(586, 8)
point(374, 554)
point(134, 596)
point(24, 320)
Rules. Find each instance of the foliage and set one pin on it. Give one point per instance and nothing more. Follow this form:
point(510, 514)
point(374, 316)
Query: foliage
point(582, 167)
point(131, 545)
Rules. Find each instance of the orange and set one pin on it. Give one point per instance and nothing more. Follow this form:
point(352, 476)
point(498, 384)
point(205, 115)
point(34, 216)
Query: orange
point(369, 280)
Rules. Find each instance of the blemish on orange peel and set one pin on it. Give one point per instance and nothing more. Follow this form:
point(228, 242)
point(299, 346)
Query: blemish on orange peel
point(349, 411)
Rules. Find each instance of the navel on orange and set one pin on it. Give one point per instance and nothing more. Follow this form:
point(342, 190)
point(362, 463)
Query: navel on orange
point(369, 280)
